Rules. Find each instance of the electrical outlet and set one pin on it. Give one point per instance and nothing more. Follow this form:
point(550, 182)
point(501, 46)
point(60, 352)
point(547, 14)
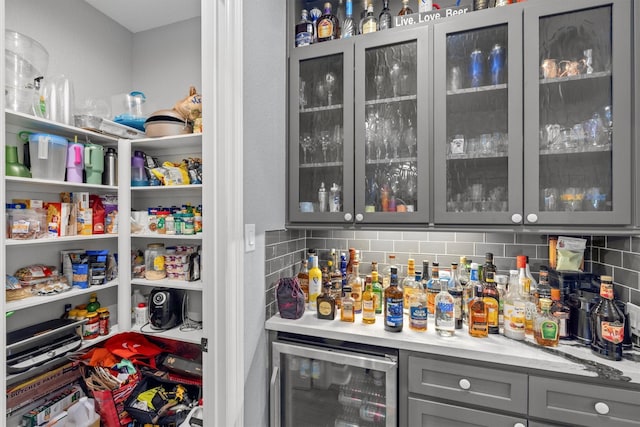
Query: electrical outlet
point(634, 318)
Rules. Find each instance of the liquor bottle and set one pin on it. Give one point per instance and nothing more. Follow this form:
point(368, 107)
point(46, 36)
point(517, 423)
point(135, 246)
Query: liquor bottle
point(426, 274)
point(455, 289)
point(544, 288)
point(393, 300)
point(315, 283)
point(314, 15)
point(607, 323)
point(533, 285)
point(365, 8)
point(326, 303)
point(463, 272)
point(489, 265)
point(348, 26)
point(492, 302)
point(525, 285)
point(501, 284)
point(433, 289)
point(384, 20)
point(406, 10)
point(336, 277)
point(478, 315)
point(368, 302)
point(546, 328)
point(303, 279)
point(514, 309)
point(386, 273)
point(352, 257)
point(327, 25)
point(377, 290)
point(343, 269)
point(370, 23)
point(304, 30)
point(356, 284)
point(445, 313)
point(469, 292)
point(561, 312)
point(341, 15)
point(409, 284)
point(418, 309)
point(347, 312)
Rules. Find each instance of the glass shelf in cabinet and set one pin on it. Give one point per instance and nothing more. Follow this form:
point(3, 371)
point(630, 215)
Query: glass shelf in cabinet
point(321, 165)
point(476, 156)
point(49, 240)
point(578, 77)
point(391, 100)
point(323, 108)
point(469, 90)
point(391, 161)
point(576, 150)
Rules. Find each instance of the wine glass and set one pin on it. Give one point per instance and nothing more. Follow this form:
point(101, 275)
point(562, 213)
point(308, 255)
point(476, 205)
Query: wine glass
point(330, 81)
point(325, 142)
point(321, 92)
point(337, 141)
point(410, 137)
point(306, 142)
point(394, 75)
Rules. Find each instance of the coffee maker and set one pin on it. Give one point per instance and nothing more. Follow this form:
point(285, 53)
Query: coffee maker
point(165, 308)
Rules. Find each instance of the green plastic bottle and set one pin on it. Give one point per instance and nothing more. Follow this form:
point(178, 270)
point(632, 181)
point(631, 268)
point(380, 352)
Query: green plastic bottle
point(93, 303)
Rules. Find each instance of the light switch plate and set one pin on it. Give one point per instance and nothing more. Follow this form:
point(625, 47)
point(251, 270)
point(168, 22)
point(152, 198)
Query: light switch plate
point(249, 237)
point(634, 318)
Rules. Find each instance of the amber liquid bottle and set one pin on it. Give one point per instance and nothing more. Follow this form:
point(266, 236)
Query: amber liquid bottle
point(347, 311)
point(328, 25)
point(303, 280)
point(478, 325)
point(368, 303)
point(491, 299)
point(393, 300)
point(607, 323)
point(326, 304)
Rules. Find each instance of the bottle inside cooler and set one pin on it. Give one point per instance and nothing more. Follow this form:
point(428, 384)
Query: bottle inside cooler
point(363, 400)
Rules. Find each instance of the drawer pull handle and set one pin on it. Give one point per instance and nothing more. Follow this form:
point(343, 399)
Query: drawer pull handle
point(464, 384)
point(519, 425)
point(602, 408)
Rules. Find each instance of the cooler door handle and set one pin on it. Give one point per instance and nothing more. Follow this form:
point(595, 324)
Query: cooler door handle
point(274, 398)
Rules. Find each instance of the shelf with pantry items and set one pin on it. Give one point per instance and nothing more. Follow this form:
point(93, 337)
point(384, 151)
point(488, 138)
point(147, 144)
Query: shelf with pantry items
point(56, 240)
point(168, 283)
point(169, 236)
point(183, 333)
point(34, 184)
point(46, 299)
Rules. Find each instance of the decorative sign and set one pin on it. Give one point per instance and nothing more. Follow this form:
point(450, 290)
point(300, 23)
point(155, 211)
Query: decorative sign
point(434, 15)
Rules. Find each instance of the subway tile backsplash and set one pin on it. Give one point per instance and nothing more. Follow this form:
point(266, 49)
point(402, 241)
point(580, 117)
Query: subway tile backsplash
point(614, 255)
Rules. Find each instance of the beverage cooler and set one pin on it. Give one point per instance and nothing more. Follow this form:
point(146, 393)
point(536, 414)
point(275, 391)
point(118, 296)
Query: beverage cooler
point(319, 382)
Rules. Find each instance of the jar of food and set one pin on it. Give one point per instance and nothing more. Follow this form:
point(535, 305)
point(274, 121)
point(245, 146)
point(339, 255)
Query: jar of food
point(154, 262)
point(103, 321)
point(170, 225)
point(81, 314)
point(161, 222)
point(188, 224)
point(197, 222)
point(91, 329)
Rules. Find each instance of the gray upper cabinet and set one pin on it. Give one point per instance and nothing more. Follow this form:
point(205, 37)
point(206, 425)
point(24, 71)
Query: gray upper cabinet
point(478, 117)
point(392, 127)
point(321, 132)
point(577, 134)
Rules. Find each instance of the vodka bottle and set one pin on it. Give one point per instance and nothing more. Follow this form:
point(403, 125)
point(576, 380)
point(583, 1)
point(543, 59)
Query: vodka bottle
point(384, 20)
point(304, 30)
point(347, 27)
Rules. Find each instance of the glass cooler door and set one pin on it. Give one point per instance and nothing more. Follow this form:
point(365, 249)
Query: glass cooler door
point(313, 386)
point(577, 131)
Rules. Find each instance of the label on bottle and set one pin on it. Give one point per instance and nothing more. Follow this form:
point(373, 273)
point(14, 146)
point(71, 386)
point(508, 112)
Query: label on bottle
point(369, 27)
point(393, 315)
point(347, 314)
point(549, 330)
point(315, 285)
point(418, 316)
point(457, 306)
point(325, 29)
point(368, 309)
point(606, 291)
point(514, 317)
point(612, 331)
point(356, 294)
point(493, 319)
point(304, 285)
point(304, 38)
point(444, 315)
point(324, 308)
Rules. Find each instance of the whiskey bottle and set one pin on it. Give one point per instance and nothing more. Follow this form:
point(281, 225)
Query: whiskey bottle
point(469, 291)
point(370, 23)
point(478, 326)
point(315, 283)
point(326, 303)
point(409, 284)
point(418, 309)
point(393, 300)
point(347, 312)
point(455, 289)
point(544, 288)
point(377, 290)
point(368, 302)
point(445, 314)
point(356, 285)
point(488, 264)
point(546, 328)
point(348, 26)
point(303, 279)
point(561, 312)
point(433, 288)
point(304, 30)
point(492, 302)
point(406, 10)
point(533, 285)
point(607, 323)
point(384, 20)
point(327, 25)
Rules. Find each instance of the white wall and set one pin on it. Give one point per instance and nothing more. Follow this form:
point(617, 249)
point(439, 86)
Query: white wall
point(74, 34)
point(264, 182)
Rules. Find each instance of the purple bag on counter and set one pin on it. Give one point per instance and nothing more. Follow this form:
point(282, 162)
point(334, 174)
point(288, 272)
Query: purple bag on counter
point(290, 298)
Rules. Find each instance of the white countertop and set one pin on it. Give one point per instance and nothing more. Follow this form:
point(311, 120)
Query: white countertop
point(569, 358)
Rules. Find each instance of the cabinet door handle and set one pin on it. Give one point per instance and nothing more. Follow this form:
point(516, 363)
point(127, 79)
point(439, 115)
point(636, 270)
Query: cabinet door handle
point(348, 217)
point(519, 425)
point(516, 218)
point(274, 401)
point(601, 408)
point(464, 384)
point(532, 218)
point(359, 217)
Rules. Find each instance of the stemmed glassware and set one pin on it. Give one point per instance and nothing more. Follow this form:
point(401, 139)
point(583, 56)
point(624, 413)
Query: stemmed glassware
point(306, 142)
point(395, 72)
point(410, 138)
point(337, 141)
point(325, 142)
point(330, 81)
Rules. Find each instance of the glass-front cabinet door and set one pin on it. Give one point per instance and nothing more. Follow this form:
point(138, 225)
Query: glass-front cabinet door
point(391, 127)
point(478, 118)
point(321, 133)
point(577, 113)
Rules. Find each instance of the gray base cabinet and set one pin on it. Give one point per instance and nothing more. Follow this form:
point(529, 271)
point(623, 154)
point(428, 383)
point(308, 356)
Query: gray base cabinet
point(424, 413)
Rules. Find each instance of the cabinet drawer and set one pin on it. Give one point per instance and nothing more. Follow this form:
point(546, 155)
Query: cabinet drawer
point(492, 388)
point(578, 404)
point(423, 413)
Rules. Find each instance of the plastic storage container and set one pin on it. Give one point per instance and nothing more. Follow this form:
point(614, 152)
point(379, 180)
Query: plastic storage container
point(25, 60)
point(48, 154)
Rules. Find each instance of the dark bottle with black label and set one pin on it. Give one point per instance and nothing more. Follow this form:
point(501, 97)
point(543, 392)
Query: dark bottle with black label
point(607, 323)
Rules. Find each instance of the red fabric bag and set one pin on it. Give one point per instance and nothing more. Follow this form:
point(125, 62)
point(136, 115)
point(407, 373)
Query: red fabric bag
point(134, 347)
